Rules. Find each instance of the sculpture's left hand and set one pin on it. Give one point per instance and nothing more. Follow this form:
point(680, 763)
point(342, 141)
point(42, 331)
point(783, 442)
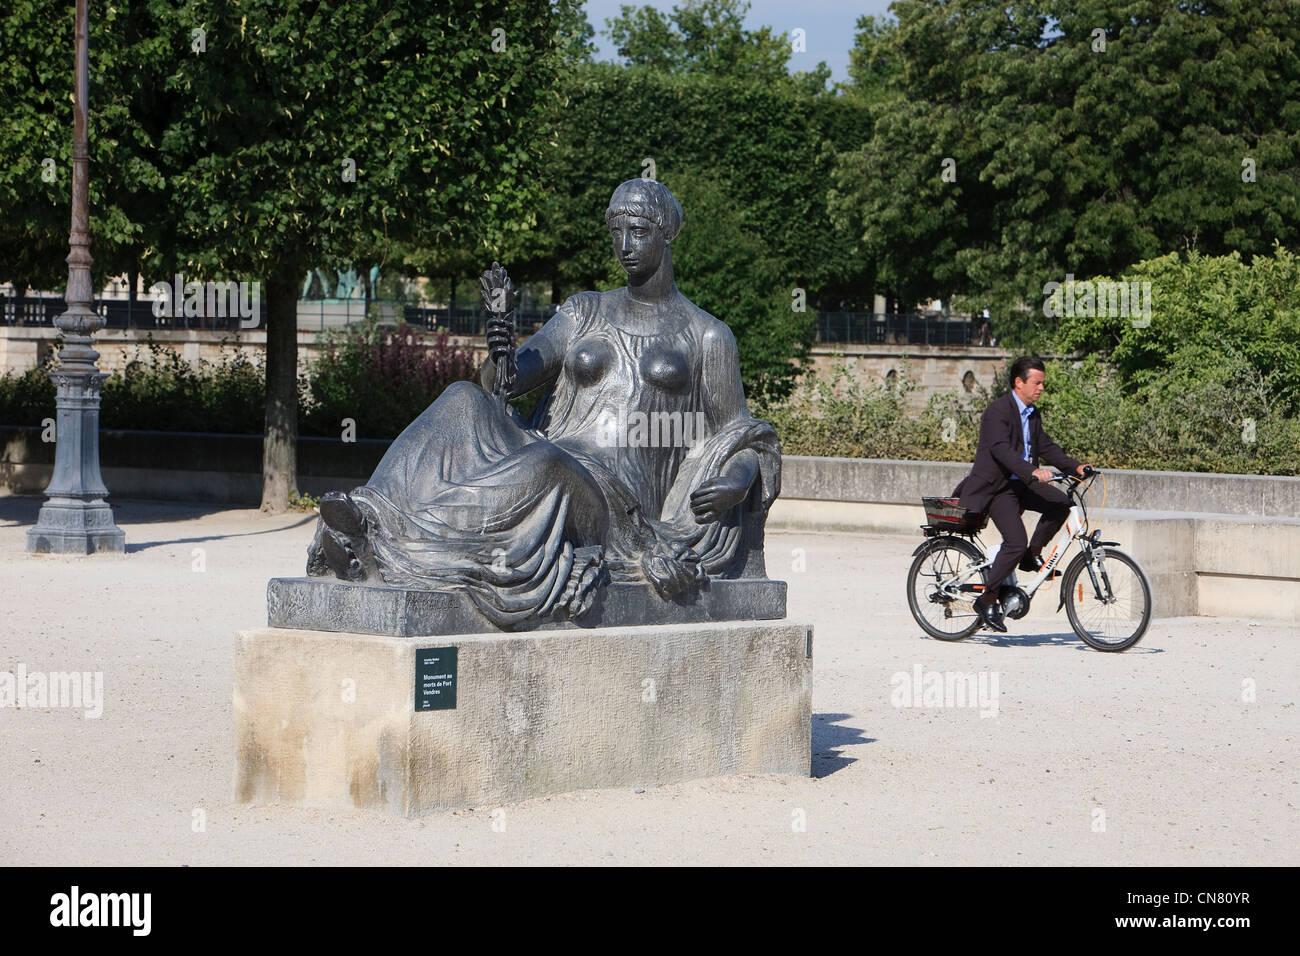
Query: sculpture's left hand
point(715, 497)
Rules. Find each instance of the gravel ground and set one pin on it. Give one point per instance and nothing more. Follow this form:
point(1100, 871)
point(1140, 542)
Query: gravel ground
point(1146, 757)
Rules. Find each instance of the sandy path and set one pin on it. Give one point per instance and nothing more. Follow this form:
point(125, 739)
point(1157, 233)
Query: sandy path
point(1158, 738)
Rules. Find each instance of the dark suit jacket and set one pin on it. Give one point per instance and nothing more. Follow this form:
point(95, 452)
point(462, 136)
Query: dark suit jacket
point(999, 454)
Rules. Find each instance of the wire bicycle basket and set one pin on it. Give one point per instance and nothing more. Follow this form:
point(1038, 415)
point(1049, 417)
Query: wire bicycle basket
point(947, 514)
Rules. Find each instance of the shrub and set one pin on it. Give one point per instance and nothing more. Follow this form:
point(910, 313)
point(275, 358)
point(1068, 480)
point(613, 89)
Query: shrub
point(168, 393)
point(836, 415)
point(1221, 417)
point(26, 398)
point(380, 378)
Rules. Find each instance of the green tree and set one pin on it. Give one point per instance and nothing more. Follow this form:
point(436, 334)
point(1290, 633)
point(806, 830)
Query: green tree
point(432, 108)
point(268, 136)
point(771, 159)
point(1079, 136)
point(874, 62)
point(133, 47)
point(708, 36)
point(726, 268)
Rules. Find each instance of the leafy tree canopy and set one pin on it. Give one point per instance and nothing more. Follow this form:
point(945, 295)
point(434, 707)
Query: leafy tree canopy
point(1025, 141)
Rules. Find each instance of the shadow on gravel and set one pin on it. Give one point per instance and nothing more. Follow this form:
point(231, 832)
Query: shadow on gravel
point(1063, 639)
point(130, 514)
point(827, 735)
point(22, 510)
point(19, 510)
point(133, 547)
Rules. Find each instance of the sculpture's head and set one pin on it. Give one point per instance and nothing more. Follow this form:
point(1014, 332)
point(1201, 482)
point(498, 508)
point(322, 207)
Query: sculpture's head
point(643, 219)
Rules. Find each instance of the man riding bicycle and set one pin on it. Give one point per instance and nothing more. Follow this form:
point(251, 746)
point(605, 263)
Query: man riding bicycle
point(1006, 480)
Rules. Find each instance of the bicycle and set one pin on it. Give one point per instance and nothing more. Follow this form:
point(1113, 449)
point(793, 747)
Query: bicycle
point(1109, 607)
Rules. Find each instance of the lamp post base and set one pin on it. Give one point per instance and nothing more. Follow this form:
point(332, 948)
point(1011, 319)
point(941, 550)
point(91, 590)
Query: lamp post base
point(72, 526)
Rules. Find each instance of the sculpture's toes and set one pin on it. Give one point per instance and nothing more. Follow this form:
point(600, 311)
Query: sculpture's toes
point(347, 559)
point(584, 580)
point(336, 555)
point(587, 588)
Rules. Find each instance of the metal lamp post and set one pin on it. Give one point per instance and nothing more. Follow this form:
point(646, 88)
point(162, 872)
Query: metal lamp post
point(75, 518)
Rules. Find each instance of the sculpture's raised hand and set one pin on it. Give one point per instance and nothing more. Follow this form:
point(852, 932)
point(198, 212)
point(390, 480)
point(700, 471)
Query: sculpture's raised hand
point(498, 300)
point(500, 337)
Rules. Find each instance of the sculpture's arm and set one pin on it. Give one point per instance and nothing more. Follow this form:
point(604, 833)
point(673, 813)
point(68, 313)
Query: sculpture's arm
point(724, 398)
point(538, 360)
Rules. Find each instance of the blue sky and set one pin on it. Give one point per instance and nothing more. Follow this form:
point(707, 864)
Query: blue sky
point(830, 25)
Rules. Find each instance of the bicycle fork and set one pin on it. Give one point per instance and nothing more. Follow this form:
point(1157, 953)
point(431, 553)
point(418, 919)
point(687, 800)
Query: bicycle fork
point(1095, 563)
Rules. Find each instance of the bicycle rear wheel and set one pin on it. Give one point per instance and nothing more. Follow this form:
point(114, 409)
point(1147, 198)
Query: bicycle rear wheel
point(1114, 615)
point(945, 618)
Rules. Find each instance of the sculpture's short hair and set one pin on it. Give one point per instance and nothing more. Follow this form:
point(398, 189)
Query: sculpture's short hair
point(1020, 368)
point(648, 199)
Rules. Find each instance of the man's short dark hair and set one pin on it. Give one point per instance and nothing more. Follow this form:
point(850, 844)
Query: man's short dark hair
point(1021, 366)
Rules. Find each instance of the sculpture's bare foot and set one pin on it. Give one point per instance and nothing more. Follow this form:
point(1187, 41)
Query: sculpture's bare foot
point(671, 575)
point(342, 514)
point(341, 543)
point(584, 578)
point(347, 558)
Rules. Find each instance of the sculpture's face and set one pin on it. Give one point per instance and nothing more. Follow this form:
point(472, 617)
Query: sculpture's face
point(639, 245)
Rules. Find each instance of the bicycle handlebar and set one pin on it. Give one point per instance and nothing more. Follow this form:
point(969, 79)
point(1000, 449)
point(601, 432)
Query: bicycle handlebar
point(1087, 473)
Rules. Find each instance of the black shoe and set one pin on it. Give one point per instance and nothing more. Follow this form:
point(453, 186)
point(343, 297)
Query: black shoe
point(1032, 564)
point(990, 615)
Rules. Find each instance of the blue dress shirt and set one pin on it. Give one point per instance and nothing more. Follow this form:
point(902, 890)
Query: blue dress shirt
point(1025, 412)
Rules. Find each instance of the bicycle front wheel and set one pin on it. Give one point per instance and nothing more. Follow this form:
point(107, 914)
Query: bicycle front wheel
point(940, 616)
point(1110, 608)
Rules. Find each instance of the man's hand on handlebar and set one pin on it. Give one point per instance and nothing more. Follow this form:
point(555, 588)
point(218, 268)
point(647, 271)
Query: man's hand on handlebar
point(1083, 471)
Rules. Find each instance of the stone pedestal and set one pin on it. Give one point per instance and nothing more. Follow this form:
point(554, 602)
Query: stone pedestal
point(327, 604)
point(330, 719)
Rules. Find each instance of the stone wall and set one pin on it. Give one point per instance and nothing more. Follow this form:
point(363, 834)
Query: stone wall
point(935, 368)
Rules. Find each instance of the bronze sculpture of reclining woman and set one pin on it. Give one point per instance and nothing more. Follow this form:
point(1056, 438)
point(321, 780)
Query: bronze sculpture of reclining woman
point(640, 463)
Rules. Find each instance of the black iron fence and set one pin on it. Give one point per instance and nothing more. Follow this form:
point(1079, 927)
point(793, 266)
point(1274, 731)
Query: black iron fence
point(119, 313)
point(313, 314)
point(463, 320)
point(866, 328)
point(832, 328)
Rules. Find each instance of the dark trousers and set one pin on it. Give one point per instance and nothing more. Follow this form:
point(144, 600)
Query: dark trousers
point(1005, 509)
